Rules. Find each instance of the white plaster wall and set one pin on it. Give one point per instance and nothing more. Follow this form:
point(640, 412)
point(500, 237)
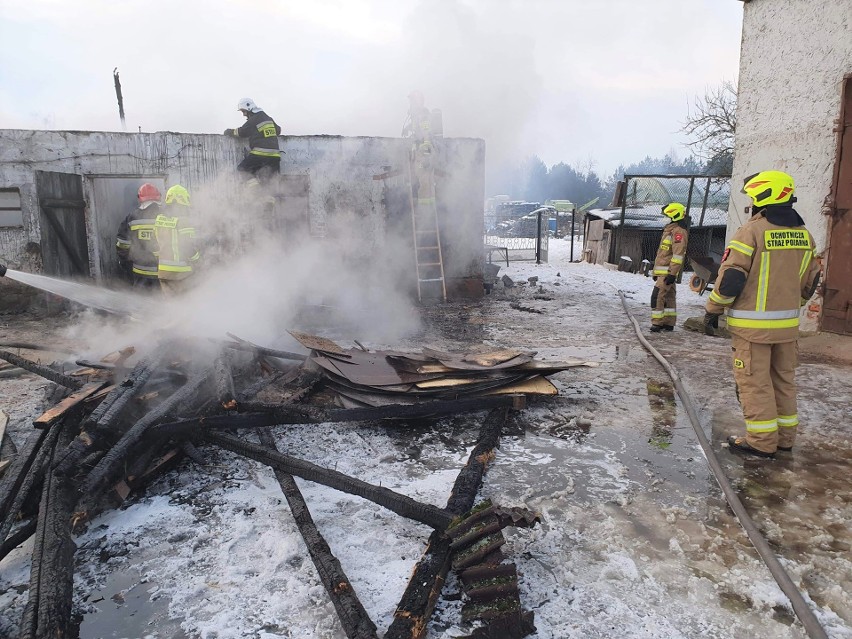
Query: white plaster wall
point(795, 54)
point(341, 174)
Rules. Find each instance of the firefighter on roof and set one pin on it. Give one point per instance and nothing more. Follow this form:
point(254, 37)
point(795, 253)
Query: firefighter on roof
point(768, 273)
point(135, 243)
point(264, 157)
point(667, 266)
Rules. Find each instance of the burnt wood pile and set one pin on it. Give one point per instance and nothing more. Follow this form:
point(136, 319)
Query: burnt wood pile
point(116, 426)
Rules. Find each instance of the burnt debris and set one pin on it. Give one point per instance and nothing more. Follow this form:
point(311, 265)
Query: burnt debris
point(116, 427)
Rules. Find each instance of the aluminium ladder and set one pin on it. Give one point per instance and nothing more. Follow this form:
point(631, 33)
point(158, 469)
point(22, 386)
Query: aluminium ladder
point(428, 257)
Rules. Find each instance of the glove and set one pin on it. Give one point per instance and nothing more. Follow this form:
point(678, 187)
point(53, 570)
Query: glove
point(228, 132)
point(670, 279)
point(711, 321)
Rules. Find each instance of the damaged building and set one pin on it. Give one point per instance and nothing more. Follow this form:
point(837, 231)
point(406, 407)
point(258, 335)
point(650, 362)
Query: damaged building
point(802, 126)
point(64, 193)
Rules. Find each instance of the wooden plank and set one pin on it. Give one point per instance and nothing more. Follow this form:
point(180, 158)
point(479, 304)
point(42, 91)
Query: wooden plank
point(57, 412)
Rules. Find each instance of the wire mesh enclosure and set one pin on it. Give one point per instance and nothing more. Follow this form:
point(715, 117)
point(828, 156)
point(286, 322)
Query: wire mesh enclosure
point(633, 228)
point(522, 229)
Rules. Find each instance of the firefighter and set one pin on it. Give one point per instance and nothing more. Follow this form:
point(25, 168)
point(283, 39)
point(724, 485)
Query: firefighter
point(264, 156)
point(418, 127)
point(175, 235)
point(667, 266)
point(135, 243)
point(768, 273)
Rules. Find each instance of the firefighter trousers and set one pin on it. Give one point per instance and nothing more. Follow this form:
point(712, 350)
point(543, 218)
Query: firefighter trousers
point(766, 384)
point(663, 303)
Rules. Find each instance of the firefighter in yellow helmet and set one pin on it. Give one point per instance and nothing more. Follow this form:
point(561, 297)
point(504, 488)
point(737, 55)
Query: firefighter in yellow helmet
point(768, 273)
point(667, 266)
point(175, 233)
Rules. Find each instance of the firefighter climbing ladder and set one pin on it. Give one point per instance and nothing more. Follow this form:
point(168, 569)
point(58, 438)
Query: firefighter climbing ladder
point(428, 257)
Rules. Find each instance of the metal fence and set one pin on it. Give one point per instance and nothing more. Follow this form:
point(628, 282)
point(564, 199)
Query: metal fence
point(636, 226)
point(520, 230)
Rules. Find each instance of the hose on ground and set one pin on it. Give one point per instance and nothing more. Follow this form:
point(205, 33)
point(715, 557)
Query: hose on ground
point(800, 606)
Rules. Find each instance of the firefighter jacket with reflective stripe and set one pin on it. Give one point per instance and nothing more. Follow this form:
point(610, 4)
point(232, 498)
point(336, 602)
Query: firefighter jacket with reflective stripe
point(262, 134)
point(672, 250)
point(178, 251)
point(136, 242)
point(779, 271)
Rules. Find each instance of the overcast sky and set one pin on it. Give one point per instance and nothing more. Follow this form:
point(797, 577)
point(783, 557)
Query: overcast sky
point(570, 80)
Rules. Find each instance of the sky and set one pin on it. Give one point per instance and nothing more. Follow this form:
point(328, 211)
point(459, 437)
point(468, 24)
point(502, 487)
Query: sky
point(588, 83)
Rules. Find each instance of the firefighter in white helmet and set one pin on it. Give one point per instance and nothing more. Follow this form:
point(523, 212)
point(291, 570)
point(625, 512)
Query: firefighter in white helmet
point(264, 155)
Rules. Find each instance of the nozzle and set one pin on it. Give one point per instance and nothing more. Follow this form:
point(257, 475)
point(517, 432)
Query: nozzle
point(2, 270)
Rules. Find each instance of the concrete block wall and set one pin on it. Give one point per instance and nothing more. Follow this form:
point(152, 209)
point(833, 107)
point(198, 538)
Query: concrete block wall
point(341, 172)
point(795, 54)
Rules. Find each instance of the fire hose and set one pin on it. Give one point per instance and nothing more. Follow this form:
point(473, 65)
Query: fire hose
point(782, 578)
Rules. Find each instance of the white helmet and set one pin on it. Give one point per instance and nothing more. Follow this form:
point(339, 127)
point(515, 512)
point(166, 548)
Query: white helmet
point(247, 104)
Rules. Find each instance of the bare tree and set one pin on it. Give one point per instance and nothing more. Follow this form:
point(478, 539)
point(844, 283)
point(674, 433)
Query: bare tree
point(711, 123)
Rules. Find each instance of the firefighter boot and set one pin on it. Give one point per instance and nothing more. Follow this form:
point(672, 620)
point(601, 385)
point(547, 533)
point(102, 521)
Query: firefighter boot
point(741, 446)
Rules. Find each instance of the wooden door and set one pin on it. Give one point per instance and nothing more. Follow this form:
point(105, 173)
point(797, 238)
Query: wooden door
point(62, 219)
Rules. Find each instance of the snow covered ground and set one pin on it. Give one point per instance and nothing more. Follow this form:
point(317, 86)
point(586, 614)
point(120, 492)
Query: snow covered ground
point(636, 541)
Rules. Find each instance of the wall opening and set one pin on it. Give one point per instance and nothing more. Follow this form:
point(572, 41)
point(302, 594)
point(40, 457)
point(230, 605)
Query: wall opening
point(11, 215)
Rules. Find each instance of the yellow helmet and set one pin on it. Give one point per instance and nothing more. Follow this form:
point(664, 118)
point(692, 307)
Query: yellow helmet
point(769, 187)
point(675, 211)
point(177, 195)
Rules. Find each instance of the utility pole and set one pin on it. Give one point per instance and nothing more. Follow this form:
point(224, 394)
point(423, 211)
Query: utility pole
point(120, 99)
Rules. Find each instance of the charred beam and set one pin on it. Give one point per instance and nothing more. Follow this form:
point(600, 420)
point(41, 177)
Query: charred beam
point(107, 467)
point(244, 345)
point(411, 618)
point(44, 371)
point(17, 538)
point(97, 426)
point(48, 611)
point(354, 619)
point(407, 507)
point(30, 482)
point(17, 472)
point(67, 405)
point(286, 414)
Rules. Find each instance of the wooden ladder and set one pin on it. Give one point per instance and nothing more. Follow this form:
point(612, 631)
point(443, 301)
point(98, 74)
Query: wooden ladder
point(428, 257)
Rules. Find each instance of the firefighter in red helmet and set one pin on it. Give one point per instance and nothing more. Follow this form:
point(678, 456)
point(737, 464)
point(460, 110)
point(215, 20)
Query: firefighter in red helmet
point(135, 243)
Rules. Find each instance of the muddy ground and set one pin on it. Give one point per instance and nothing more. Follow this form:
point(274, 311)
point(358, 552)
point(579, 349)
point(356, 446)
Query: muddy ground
point(636, 540)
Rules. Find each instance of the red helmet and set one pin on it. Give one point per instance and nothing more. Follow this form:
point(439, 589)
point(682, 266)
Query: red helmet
point(148, 193)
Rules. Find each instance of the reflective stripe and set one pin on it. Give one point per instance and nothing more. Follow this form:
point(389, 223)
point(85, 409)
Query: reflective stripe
point(670, 312)
point(769, 315)
point(760, 323)
point(724, 301)
point(657, 314)
point(767, 426)
point(666, 242)
point(745, 249)
point(763, 281)
point(677, 259)
point(145, 270)
point(661, 271)
point(788, 421)
point(142, 224)
point(267, 153)
point(806, 261)
point(175, 267)
point(122, 244)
